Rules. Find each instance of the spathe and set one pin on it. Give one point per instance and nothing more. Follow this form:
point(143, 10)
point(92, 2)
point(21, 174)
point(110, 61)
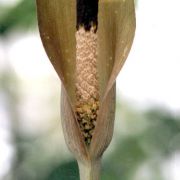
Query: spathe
point(116, 27)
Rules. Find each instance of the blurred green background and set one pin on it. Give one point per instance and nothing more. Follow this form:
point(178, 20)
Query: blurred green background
point(146, 142)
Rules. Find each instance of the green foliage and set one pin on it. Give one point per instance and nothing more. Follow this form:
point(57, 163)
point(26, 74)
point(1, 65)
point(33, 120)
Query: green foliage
point(68, 170)
point(22, 16)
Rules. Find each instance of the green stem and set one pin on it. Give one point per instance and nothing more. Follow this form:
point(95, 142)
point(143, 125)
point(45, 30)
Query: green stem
point(90, 171)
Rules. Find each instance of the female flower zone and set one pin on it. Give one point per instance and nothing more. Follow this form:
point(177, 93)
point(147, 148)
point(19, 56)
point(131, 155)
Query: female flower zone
point(87, 42)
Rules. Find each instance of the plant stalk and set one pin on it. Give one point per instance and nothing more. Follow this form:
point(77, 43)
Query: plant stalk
point(90, 171)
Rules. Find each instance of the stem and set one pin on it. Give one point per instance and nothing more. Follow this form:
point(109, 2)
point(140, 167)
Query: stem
point(90, 171)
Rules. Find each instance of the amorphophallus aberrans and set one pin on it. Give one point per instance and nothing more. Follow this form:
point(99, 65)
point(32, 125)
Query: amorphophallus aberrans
point(87, 42)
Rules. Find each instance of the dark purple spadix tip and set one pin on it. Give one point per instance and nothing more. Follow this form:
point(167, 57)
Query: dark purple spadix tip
point(87, 12)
